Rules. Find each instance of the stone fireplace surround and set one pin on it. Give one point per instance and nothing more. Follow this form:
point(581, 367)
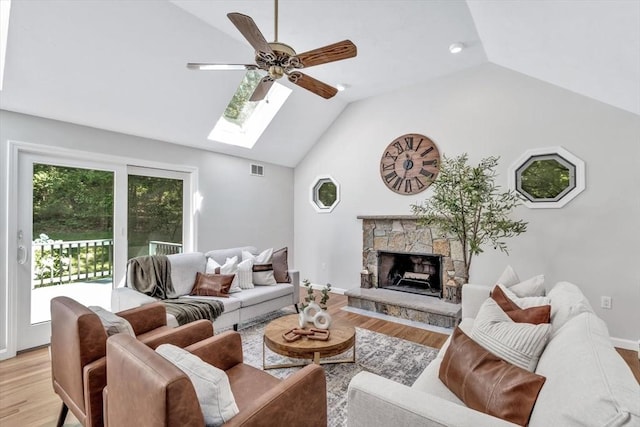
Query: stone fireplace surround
point(402, 233)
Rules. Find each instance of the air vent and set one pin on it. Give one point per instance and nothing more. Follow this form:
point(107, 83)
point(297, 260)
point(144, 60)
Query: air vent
point(257, 170)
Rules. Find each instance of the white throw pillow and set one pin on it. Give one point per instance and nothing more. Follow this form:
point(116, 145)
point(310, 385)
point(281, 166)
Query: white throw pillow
point(113, 324)
point(520, 344)
point(230, 266)
point(508, 277)
point(244, 274)
point(567, 301)
point(529, 288)
point(210, 383)
point(262, 262)
point(525, 302)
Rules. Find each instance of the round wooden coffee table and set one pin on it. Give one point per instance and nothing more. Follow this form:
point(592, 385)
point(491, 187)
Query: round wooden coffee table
point(342, 337)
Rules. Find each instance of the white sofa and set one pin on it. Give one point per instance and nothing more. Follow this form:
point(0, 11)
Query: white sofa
point(238, 307)
point(587, 382)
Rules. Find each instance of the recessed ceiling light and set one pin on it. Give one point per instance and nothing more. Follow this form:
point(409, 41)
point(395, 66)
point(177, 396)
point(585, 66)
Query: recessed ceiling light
point(342, 86)
point(456, 47)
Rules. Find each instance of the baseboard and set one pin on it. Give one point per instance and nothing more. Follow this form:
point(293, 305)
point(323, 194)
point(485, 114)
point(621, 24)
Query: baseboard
point(626, 344)
point(317, 287)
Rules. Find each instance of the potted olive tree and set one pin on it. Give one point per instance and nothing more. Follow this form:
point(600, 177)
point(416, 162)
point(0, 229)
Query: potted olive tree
point(466, 203)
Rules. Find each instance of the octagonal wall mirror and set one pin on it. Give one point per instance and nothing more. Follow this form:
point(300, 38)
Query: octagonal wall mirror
point(547, 177)
point(324, 194)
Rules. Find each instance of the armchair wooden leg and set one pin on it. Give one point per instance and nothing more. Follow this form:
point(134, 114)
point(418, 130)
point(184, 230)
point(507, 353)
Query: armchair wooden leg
point(63, 415)
point(297, 309)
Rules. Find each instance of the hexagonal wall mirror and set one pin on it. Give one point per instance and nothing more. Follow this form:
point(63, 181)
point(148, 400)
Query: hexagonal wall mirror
point(547, 177)
point(325, 194)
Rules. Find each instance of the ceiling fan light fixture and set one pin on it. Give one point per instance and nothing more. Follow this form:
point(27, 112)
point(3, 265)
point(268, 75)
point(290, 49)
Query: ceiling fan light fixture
point(456, 47)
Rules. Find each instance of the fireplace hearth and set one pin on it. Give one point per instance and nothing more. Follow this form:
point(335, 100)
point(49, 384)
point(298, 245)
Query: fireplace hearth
point(416, 273)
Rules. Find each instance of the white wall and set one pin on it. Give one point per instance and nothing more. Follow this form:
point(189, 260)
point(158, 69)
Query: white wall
point(237, 209)
point(489, 110)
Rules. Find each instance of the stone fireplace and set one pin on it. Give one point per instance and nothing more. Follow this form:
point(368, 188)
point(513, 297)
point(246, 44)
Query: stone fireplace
point(400, 254)
point(403, 234)
point(410, 272)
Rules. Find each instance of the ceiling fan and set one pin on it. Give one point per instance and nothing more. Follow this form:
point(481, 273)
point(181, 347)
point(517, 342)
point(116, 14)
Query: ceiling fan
point(279, 59)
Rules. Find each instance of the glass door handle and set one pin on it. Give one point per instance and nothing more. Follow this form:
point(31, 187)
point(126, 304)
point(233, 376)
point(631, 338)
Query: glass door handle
point(22, 254)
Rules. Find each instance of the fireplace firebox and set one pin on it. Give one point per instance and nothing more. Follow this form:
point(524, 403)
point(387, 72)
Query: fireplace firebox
point(410, 272)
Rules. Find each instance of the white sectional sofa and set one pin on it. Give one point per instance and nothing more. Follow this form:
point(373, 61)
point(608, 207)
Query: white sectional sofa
point(587, 382)
point(238, 307)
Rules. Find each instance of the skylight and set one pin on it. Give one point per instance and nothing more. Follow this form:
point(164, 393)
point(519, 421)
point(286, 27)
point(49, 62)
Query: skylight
point(5, 7)
point(243, 121)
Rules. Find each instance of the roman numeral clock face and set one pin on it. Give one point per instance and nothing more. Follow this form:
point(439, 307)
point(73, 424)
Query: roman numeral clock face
point(410, 164)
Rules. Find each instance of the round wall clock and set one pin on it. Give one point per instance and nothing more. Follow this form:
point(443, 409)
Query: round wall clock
point(410, 164)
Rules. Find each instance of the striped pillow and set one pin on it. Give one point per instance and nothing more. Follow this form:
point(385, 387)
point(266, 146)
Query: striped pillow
point(518, 343)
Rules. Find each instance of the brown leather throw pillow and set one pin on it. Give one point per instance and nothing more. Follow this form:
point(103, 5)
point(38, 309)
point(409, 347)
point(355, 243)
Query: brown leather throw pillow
point(212, 285)
point(534, 315)
point(488, 384)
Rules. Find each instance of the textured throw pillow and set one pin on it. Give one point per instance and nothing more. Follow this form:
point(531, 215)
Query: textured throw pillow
point(262, 267)
point(212, 285)
point(230, 267)
point(518, 343)
point(113, 324)
point(281, 265)
point(488, 384)
point(244, 274)
point(535, 315)
point(210, 383)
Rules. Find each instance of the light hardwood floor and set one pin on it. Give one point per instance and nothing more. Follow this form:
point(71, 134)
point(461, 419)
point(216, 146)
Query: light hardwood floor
point(27, 398)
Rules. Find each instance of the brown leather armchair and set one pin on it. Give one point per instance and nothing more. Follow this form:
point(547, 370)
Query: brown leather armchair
point(146, 390)
point(78, 349)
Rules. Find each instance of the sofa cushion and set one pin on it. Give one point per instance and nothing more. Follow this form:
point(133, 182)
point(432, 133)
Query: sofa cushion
point(588, 383)
point(518, 343)
point(486, 383)
point(213, 285)
point(244, 274)
point(535, 315)
point(262, 267)
point(184, 268)
point(210, 383)
point(249, 297)
point(567, 301)
point(230, 304)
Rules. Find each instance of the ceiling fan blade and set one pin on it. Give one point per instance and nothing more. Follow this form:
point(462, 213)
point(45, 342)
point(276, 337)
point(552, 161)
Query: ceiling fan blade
point(218, 67)
point(250, 31)
point(262, 89)
point(313, 85)
point(333, 52)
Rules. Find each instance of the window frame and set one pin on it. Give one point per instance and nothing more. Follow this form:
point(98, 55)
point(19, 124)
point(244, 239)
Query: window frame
point(576, 168)
point(314, 193)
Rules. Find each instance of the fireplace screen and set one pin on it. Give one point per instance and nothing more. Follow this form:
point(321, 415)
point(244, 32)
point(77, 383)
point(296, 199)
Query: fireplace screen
point(410, 272)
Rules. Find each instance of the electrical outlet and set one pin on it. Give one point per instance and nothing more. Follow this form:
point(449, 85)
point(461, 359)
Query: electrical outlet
point(605, 302)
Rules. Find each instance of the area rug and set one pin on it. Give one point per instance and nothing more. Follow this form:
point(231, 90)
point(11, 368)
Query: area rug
point(394, 358)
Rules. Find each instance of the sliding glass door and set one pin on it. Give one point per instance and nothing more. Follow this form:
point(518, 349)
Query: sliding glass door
point(66, 242)
point(77, 224)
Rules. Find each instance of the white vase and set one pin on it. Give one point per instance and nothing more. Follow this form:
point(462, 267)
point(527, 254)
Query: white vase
point(301, 319)
point(322, 320)
point(310, 311)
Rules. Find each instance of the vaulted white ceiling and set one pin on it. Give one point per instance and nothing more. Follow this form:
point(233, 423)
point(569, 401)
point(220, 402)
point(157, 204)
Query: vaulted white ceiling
point(120, 65)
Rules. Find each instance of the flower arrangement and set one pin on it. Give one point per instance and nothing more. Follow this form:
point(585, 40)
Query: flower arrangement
point(311, 297)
